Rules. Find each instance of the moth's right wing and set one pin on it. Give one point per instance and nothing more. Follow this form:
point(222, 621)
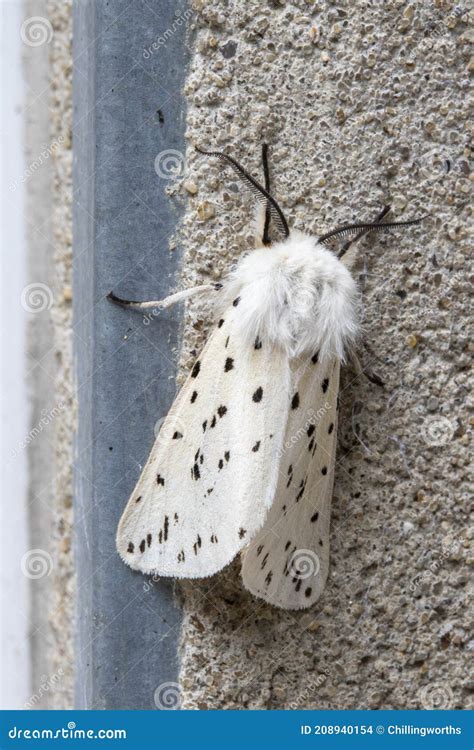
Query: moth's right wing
point(287, 562)
point(211, 476)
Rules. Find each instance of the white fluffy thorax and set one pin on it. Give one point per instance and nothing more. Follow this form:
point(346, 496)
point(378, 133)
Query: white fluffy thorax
point(296, 294)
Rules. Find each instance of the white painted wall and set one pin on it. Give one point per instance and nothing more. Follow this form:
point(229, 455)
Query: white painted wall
point(14, 596)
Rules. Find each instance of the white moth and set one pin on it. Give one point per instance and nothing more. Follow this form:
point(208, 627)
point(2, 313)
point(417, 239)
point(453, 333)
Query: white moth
point(244, 461)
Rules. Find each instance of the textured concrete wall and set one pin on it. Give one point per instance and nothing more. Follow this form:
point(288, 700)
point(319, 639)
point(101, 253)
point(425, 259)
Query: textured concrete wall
point(47, 33)
point(363, 103)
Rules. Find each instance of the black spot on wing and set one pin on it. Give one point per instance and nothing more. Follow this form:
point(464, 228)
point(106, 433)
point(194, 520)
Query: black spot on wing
point(315, 358)
point(324, 470)
point(227, 342)
point(287, 545)
point(204, 425)
point(301, 489)
point(213, 421)
point(264, 561)
point(242, 533)
point(181, 557)
point(236, 301)
point(229, 364)
point(142, 546)
point(195, 370)
point(148, 539)
point(256, 446)
point(227, 455)
point(160, 480)
point(311, 445)
point(177, 435)
point(310, 430)
point(314, 517)
point(325, 384)
point(330, 428)
point(138, 499)
point(295, 401)
point(222, 410)
point(195, 472)
point(268, 578)
point(194, 396)
point(258, 343)
point(259, 549)
point(197, 545)
point(165, 528)
point(213, 539)
point(307, 592)
point(257, 396)
point(220, 323)
point(221, 463)
point(130, 547)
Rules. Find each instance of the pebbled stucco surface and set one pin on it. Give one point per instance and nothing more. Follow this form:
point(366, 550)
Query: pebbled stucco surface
point(47, 32)
point(363, 104)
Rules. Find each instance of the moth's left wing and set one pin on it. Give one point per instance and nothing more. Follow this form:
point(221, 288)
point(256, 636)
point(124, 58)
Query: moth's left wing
point(211, 475)
point(287, 562)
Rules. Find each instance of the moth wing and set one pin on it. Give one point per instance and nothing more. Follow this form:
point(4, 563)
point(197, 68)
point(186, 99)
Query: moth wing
point(287, 562)
point(211, 475)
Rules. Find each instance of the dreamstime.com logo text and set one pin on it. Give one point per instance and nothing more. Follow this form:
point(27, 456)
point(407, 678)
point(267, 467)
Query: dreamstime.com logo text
point(46, 153)
point(312, 420)
point(67, 733)
point(47, 684)
point(164, 38)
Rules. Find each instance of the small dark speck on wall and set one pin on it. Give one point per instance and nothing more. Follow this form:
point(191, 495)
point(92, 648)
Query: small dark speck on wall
point(229, 49)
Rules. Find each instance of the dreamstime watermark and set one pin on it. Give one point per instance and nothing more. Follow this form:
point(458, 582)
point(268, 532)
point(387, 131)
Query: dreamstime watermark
point(304, 564)
point(169, 428)
point(313, 418)
point(164, 38)
point(436, 29)
point(45, 154)
point(46, 684)
point(314, 684)
point(436, 696)
point(46, 419)
point(170, 164)
point(434, 567)
point(150, 582)
point(36, 31)
point(36, 297)
point(148, 317)
point(167, 696)
point(437, 430)
point(66, 733)
point(36, 563)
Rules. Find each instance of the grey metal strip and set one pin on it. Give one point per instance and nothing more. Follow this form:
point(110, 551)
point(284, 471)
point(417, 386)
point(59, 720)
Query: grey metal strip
point(129, 65)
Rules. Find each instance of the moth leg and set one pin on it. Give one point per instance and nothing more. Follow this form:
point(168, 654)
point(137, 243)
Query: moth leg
point(371, 376)
point(162, 304)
